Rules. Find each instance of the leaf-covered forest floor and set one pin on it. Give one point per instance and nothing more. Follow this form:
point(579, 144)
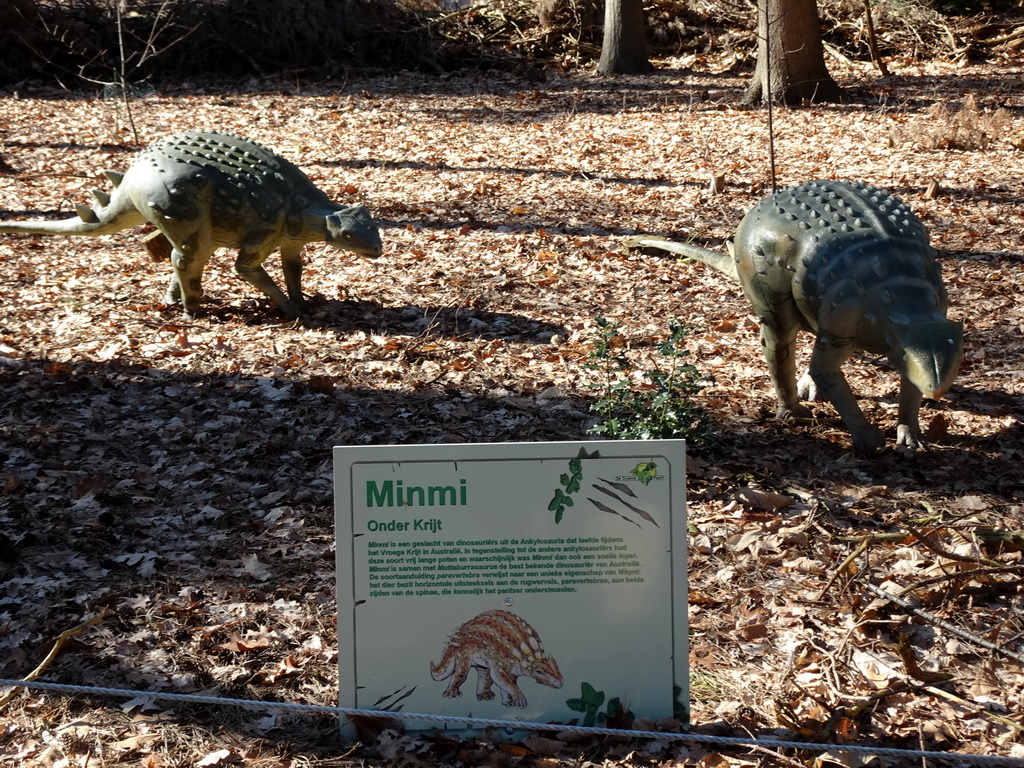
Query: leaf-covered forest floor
point(174, 477)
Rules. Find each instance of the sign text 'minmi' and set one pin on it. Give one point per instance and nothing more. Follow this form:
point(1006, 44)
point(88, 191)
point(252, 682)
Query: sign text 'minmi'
point(392, 493)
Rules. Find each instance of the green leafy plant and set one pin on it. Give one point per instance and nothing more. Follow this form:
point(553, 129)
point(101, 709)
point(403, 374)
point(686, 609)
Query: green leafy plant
point(589, 704)
point(661, 408)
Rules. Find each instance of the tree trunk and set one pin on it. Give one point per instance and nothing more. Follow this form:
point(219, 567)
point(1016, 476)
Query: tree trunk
point(790, 57)
point(624, 49)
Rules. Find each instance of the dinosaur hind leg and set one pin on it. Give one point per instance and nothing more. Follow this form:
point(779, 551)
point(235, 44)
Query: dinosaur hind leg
point(188, 259)
point(778, 339)
point(173, 295)
point(459, 675)
point(484, 683)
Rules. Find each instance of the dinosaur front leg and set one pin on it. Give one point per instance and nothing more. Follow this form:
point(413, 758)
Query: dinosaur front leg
point(511, 694)
point(249, 266)
point(291, 265)
point(826, 371)
point(908, 429)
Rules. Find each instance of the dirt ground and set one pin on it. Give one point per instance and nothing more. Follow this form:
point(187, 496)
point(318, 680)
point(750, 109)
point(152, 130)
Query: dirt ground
point(172, 477)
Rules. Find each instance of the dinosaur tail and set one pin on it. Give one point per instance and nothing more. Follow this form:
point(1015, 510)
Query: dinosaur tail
point(445, 667)
point(721, 261)
point(111, 215)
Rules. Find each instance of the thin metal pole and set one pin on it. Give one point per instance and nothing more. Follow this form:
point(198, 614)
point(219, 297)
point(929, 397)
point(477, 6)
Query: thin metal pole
point(766, 89)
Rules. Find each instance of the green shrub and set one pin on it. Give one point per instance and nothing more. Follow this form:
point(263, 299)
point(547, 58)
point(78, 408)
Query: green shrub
point(661, 408)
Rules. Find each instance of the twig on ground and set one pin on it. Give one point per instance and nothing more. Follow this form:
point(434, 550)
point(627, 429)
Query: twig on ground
point(947, 554)
point(963, 634)
point(62, 638)
point(974, 572)
point(844, 565)
point(974, 707)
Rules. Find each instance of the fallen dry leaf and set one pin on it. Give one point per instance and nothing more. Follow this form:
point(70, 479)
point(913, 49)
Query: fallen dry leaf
point(219, 758)
point(763, 499)
point(246, 645)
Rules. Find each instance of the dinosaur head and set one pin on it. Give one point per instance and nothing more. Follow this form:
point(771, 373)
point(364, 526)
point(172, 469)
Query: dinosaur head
point(932, 353)
point(352, 228)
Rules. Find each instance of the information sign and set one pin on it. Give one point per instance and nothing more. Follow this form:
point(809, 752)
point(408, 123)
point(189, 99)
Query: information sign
point(524, 581)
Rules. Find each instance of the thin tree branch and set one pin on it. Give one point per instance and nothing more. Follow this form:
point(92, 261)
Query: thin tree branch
point(963, 634)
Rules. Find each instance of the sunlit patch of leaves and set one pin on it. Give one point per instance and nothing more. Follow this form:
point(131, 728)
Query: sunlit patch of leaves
point(968, 128)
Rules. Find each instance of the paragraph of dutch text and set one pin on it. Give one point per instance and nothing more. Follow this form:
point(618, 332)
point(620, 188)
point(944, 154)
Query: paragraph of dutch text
point(498, 566)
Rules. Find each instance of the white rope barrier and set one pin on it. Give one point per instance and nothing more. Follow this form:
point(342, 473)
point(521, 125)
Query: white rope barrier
point(515, 725)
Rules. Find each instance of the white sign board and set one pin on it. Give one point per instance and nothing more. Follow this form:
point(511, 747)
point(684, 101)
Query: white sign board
point(524, 581)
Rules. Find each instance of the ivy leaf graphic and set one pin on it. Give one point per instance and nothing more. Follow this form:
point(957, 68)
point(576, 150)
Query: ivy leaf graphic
point(645, 471)
point(558, 500)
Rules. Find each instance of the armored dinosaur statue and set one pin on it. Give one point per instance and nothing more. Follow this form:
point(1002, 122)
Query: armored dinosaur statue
point(851, 264)
point(207, 190)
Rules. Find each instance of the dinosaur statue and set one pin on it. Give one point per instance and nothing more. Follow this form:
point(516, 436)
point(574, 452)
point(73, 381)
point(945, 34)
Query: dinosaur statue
point(851, 264)
point(204, 190)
